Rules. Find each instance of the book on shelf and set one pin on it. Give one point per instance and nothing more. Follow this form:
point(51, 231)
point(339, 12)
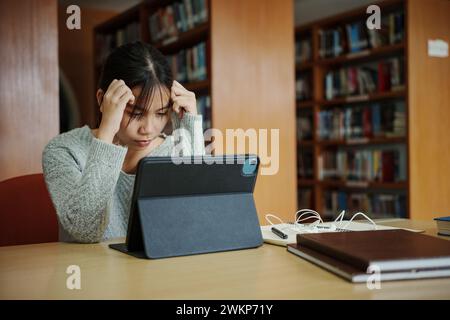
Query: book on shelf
point(332, 42)
point(303, 51)
point(356, 37)
point(381, 164)
point(376, 205)
point(303, 88)
point(204, 108)
point(377, 120)
point(304, 127)
point(189, 64)
point(305, 163)
point(382, 76)
point(168, 22)
point(106, 42)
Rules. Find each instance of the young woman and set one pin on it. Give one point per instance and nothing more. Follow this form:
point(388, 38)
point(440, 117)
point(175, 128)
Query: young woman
point(90, 173)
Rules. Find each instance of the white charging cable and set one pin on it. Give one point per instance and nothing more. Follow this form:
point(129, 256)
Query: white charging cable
point(316, 225)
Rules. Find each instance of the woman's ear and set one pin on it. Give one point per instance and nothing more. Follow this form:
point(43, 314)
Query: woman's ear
point(99, 96)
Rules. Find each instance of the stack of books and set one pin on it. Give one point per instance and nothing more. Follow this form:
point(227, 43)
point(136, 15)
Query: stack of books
point(443, 225)
point(384, 255)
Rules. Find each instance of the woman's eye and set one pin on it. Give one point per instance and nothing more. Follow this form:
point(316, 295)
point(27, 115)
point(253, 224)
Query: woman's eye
point(161, 114)
point(135, 114)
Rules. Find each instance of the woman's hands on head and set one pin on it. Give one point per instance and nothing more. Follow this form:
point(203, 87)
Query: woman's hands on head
point(112, 107)
point(183, 100)
point(118, 95)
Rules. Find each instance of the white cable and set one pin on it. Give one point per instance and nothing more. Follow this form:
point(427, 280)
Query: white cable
point(362, 214)
point(273, 216)
point(297, 226)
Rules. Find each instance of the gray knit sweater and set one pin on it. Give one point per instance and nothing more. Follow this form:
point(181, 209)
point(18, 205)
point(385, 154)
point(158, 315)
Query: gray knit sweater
point(90, 192)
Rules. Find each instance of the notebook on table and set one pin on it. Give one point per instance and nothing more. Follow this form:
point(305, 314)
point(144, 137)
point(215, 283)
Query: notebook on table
point(272, 238)
point(395, 254)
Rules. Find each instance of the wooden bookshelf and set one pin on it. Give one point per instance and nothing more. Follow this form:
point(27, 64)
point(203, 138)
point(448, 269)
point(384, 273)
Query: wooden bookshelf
point(371, 97)
point(140, 14)
point(318, 66)
point(361, 141)
point(425, 96)
point(364, 55)
point(348, 184)
point(184, 40)
point(305, 104)
point(304, 66)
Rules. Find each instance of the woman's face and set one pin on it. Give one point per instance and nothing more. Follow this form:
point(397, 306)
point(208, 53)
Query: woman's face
point(140, 133)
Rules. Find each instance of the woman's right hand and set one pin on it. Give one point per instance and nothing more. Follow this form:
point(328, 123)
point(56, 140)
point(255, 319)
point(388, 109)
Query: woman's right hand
point(112, 108)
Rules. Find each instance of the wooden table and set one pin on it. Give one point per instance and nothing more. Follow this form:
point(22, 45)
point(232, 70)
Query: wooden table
point(269, 272)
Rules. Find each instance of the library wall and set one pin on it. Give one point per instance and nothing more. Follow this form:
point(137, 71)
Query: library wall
point(77, 60)
point(253, 86)
point(429, 116)
point(28, 84)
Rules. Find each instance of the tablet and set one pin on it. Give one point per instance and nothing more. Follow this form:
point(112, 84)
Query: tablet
point(192, 205)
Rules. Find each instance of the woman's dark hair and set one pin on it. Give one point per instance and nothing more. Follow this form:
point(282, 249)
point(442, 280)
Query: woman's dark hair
point(137, 64)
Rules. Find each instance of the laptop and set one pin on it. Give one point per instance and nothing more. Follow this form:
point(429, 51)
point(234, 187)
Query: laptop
point(192, 205)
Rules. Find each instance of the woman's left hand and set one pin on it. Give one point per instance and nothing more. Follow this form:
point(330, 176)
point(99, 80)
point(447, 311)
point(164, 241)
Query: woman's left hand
point(183, 100)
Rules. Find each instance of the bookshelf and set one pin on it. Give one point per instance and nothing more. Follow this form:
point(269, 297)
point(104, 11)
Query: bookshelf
point(179, 29)
point(352, 138)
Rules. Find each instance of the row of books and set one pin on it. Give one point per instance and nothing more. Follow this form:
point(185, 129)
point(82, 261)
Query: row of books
point(303, 87)
point(305, 163)
point(386, 164)
point(204, 108)
point(374, 121)
point(168, 22)
point(382, 76)
point(355, 37)
point(189, 64)
point(105, 43)
point(303, 50)
point(375, 205)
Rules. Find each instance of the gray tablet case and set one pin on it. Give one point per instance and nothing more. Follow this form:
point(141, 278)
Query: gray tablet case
point(203, 205)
